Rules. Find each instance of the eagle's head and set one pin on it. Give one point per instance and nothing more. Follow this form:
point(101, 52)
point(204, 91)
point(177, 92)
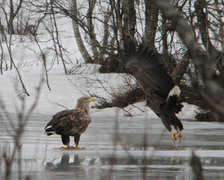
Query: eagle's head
point(84, 101)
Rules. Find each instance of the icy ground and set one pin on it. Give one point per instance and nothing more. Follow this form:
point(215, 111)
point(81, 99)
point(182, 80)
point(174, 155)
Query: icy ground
point(115, 149)
point(104, 157)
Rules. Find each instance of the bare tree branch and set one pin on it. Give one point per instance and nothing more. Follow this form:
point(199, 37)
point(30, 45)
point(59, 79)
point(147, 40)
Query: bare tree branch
point(151, 22)
point(78, 37)
point(200, 7)
point(200, 58)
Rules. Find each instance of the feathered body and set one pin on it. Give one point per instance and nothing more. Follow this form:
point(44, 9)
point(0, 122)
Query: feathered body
point(72, 122)
point(162, 96)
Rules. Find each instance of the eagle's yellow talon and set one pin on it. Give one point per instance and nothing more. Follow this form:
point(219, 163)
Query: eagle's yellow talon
point(72, 148)
point(79, 148)
point(180, 136)
point(177, 135)
point(68, 147)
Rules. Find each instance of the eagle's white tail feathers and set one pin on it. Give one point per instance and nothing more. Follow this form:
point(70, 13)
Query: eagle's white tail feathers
point(174, 91)
point(48, 131)
point(48, 127)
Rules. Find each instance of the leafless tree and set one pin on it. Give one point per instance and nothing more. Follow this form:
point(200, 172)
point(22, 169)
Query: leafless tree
point(23, 18)
point(184, 33)
point(16, 128)
point(188, 35)
point(14, 10)
point(13, 22)
point(205, 57)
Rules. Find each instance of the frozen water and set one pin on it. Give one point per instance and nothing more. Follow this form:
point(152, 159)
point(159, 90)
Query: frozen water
point(118, 148)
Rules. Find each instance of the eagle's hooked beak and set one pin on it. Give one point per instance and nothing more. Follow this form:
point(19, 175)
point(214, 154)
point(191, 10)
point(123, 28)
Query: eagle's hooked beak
point(92, 99)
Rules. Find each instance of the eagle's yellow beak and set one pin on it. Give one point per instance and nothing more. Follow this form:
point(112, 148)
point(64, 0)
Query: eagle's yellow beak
point(92, 99)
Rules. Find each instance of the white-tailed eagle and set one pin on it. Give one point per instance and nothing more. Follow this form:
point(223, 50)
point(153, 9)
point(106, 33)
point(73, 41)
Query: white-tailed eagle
point(72, 122)
point(162, 95)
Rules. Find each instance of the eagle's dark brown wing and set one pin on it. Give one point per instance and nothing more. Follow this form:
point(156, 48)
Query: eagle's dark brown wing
point(145, 65)
point(68, 123)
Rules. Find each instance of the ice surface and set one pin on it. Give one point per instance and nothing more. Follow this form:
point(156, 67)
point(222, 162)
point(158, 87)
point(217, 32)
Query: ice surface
point(144, 148)
point(140, 148)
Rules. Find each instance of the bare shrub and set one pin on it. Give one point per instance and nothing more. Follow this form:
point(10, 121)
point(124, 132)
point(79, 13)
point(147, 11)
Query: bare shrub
point(17, 127)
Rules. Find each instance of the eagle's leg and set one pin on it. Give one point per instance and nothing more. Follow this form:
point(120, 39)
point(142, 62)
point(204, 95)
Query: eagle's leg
point(76, 139)
point(176, 135)
point(66, 141)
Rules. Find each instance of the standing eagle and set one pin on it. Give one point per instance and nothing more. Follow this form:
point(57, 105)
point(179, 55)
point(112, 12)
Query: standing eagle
point(162, 95)
point(72, 122)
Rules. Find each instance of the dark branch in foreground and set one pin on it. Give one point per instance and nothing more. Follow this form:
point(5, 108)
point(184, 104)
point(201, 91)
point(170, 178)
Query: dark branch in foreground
point(204, 62)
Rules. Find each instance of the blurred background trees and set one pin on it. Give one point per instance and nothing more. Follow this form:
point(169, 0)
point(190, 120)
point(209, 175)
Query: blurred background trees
point(189, 36)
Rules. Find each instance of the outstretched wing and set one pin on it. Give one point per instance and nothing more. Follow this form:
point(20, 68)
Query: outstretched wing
point(145, 66)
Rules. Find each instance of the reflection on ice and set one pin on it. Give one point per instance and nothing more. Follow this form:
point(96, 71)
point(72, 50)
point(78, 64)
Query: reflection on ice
point(119, 167)
point(144, 151)
point(64, 164)
point(132, 168)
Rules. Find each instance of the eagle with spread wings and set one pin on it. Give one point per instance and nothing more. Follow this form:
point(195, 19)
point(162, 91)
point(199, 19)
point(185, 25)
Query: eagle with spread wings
point(72, 122)
point(162, 95)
